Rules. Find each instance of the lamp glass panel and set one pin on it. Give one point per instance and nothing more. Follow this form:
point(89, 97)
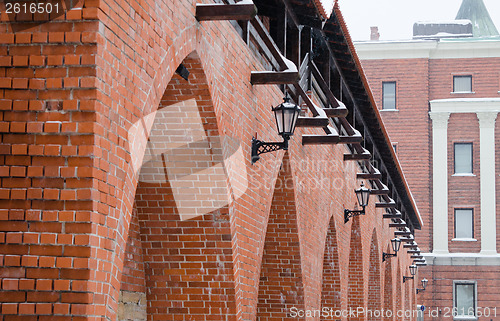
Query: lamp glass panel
point(413, 269)
point(396, 244)
point(424, 283)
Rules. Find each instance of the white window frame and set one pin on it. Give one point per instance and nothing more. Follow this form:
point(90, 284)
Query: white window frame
point(395, 95)
point(471, 173)
point(462, 92)
point(455, 283)
point(455, 224)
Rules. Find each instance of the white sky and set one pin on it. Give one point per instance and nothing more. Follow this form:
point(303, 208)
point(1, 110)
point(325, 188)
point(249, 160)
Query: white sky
point(395, 18)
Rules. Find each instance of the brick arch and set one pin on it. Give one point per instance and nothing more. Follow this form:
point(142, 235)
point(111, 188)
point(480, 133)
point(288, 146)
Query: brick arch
point(331, 289)
point(182, 209)
point(281, 285)
point(388, 287)
point(374, 288)
point(355, 291)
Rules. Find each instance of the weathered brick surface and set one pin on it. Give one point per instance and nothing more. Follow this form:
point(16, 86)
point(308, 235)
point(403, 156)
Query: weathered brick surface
point(80, 220)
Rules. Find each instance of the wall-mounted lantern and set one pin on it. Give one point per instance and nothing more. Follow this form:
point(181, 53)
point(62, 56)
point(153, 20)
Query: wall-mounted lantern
point(396, 244)
point(286, 115)
point(413, 271)
point(424, 285)
point(363, 195)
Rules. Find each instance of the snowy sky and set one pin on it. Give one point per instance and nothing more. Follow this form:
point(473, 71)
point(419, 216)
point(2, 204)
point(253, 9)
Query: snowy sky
point(395, 18)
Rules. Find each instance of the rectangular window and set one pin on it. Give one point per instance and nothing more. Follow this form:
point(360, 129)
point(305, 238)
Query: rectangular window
point(462, 84)
point(389, 95)
point(464, 299)
point(464, 223)
point(463, 158)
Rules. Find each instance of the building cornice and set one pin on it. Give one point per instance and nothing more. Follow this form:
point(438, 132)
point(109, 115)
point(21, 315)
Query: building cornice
point(428, 49)
point(465, 105)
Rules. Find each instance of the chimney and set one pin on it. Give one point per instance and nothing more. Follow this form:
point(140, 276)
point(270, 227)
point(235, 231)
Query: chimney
point(374, 35)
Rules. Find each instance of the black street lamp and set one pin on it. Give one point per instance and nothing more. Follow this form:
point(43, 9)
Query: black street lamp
point(413, 271)
point(286, 115)
point(424, 285)
point(363, 195)
point(396, 244)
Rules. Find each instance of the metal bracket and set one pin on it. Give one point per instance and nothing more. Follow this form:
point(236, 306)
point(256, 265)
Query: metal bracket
point(260, 147)
point(405, 278)
point(420, 290)
point(385, 256)
point(348, 214)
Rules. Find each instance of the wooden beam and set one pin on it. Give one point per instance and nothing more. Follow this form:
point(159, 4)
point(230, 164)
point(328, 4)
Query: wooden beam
point(336, 112)
point(273, 77)
point(245, 11)
point(407, 239)
point(391, 216)
point(369, 176)
point(413, 251)
point(402, 233)
point(410, 246)
point(356, 157)
point(312, 122)
point(329, 139)
point(385, 205)
point(398, 225)
point(416, 257)
point(378, 191)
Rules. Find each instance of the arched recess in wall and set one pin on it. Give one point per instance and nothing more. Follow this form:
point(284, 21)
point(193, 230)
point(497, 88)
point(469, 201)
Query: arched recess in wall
point(281, 286)
point(374, 289)
point(388, 287)
point(182, 208)
point(355, 291)
point(330, 292)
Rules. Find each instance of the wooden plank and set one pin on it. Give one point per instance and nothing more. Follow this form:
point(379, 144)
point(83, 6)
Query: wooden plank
point(329, 139)
point(206, 12)
point(391, 216)
point(416, 257)
point(402, 233)
point(273, 77)
point(369, 176)
point(312, 122)
point(380, 192)
point(355, 157)
point(410, 246)
point(398, 225)
point(323, 85)
point(385, 205)
point(264, 35)
point(336, 112)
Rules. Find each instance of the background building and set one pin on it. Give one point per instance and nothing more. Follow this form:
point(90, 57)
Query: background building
point(439, 95)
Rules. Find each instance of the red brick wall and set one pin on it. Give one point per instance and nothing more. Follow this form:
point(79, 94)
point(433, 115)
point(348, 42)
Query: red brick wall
point(72, 91)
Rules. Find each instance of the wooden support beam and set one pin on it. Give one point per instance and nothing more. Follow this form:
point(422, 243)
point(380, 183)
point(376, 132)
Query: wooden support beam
point(356, 157)
point(398, 225)
point(416, 257)
point(414, 251)
point(378, 191)
point(329, 139)
point(391, 216)
point(410, 246)
point(312, 122)
point(273, 77)
point(407, 239)
point(402, 233)
point(385, 205)
point(336, 112)
point(245, 11)
point(369, 176)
